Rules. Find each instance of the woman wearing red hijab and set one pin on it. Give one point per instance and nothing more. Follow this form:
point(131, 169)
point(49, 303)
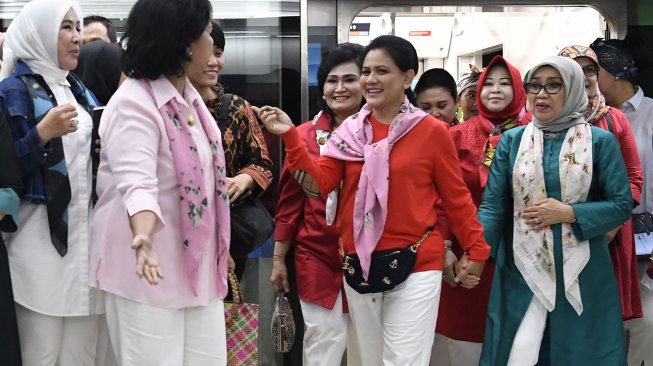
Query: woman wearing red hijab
point(500, 98)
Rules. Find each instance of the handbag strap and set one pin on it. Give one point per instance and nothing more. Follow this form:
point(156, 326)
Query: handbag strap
point(236, 294)
point(415, 246)
point(224, 112)
point(608, 119)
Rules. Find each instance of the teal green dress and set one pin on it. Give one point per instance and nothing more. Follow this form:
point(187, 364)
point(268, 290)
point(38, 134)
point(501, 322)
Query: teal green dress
point(595, 337)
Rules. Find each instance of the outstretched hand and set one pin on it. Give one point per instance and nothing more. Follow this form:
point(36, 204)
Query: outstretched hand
point(275, 120)
point(147, 261)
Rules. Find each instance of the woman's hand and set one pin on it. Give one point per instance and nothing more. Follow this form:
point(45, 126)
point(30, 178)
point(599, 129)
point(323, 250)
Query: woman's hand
point(147, 262)
point(275, 120)
point(469, 272)
point(238, 185)
point(548, 212)
point(611, 234)
point(279, 276)
point(59, 121)
point(450, 264)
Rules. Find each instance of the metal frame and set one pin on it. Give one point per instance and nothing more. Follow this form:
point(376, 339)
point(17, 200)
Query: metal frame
point(614, 12)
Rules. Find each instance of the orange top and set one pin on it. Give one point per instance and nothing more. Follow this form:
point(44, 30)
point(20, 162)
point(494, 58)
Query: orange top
point(424, 168)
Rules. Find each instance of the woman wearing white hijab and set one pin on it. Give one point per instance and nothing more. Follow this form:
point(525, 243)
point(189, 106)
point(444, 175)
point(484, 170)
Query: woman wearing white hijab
point(556, 187)
point(49, 114)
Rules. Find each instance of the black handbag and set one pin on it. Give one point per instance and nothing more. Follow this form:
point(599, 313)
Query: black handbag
point(642, 223)
point(251, 225)
point(387, 269)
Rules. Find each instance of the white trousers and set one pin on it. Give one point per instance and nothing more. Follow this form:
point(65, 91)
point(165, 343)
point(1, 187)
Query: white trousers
point(525, 349)
point(451, 352)
point(395, 328)
point(641, 330)
point(104, 355)
point(143, 335)
point(54, 340)
point(325, 334)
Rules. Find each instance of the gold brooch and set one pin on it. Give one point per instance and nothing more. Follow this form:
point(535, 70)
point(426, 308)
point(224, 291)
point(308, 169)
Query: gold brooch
point(191, 121)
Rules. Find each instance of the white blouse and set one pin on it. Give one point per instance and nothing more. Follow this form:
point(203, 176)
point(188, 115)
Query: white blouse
point(42, 280)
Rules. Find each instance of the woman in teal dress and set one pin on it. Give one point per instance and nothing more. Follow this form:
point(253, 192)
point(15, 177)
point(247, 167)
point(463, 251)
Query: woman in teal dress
point(555, 188)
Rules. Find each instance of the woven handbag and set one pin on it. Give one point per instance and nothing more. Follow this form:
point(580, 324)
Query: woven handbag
point(283, 325)
point(241, 321)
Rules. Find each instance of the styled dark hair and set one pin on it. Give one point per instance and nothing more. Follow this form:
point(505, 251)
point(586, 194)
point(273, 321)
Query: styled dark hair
point(218, 36)
point(402, 53)
point(158, 35)
point(338, 55)
point(435, 78)
point(111, 30)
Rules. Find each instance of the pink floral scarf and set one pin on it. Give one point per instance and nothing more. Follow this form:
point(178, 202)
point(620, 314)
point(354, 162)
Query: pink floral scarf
point(352, 141)
point(196, 224)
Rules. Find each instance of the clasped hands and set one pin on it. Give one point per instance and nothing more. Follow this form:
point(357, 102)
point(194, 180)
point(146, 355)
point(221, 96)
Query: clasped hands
point(464, 272)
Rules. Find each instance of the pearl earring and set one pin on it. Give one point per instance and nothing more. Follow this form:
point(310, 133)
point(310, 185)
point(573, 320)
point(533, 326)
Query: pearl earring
point(323, 97)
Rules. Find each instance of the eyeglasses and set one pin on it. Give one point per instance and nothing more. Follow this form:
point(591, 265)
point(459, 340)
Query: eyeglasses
point(549, 88)
point(590, 71)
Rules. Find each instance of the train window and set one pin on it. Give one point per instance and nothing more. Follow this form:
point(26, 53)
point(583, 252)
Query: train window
point(455, 36)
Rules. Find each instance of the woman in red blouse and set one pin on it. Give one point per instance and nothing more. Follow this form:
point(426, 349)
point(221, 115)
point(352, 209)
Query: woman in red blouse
point(622, 242)
point(500, 98)
point(393, 163)
point(306, 221)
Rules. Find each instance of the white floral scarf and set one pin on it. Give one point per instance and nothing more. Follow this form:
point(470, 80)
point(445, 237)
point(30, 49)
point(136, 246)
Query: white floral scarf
point(533, 250)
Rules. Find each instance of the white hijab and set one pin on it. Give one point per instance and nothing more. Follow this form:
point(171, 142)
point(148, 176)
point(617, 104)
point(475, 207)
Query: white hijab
point(33, 37)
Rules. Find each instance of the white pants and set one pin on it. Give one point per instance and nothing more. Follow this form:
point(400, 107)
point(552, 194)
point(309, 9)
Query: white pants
point(641, 330)
point(143, 335)
point(53, 340)
point(525, 349)
point(451, 352)
point(395, 328)
point(326, 335)
point(104, 355)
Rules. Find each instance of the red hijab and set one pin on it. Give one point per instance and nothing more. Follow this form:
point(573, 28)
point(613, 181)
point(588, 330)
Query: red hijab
point(519, 93)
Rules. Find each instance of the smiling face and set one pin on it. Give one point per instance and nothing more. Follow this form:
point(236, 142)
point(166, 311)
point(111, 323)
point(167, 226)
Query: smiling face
point(68, 42)
point(546, 106)
point(383, 83)
point(342, 90)
point(497, 93)
point(438, 102)
point(206, 62)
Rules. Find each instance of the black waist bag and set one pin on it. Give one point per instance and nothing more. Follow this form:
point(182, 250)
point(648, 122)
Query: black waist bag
point(387, 269)
point(642, 223)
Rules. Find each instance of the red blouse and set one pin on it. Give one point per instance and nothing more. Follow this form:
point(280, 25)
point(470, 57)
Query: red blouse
point(301, 219)
point(423, 169)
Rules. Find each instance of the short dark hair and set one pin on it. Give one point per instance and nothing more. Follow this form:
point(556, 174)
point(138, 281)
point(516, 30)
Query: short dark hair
point(111, 30)
point(341, 54)
point(158, 35)
point(434, 78)
point(401, 52)
point(218, 36)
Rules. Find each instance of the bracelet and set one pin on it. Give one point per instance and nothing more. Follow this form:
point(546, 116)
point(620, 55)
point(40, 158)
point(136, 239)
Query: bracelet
point(277, 255)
